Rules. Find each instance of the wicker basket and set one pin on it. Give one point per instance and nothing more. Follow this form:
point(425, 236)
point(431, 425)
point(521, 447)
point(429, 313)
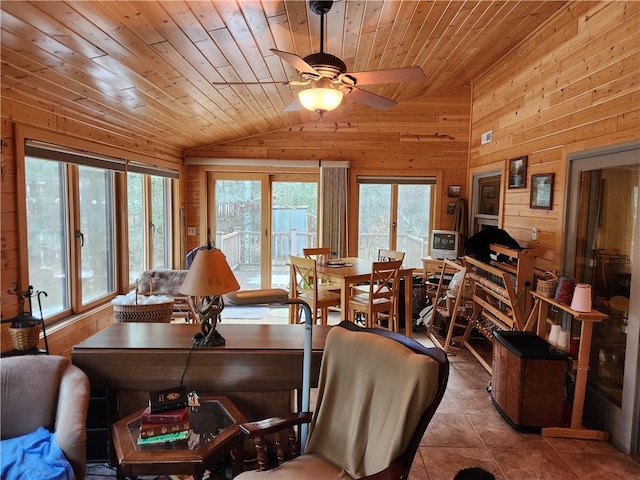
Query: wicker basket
point(153, 312)
point(547, 284)
point(25, 338)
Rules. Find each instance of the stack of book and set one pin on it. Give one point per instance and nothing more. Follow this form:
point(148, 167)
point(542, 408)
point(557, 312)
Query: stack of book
point(166, 419)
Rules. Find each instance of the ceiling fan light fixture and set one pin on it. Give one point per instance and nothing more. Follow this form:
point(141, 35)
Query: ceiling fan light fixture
point(322, 98)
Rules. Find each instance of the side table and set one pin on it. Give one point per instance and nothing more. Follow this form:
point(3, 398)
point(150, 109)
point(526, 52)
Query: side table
point(214, 433)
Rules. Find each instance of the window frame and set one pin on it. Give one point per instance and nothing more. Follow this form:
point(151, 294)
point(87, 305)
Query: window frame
point(73, 244)
point(394, 182)
point(67, 145)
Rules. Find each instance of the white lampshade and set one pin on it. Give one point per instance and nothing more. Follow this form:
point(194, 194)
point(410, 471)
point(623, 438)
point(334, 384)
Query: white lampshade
point(321, 98)
point(209, 275)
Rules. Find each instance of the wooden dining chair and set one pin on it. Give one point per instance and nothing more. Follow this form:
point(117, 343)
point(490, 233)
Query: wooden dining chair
point(316, 253)
point(304, 285)
point(446, 304)
point(380, 303)
point(383, 256)
point(390, 255)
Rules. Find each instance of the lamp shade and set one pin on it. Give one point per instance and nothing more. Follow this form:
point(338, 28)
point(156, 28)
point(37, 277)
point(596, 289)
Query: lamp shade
point(322, 98)
point(209, 275)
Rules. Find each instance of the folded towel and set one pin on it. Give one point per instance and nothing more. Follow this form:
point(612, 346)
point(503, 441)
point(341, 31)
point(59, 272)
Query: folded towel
point(34, 456)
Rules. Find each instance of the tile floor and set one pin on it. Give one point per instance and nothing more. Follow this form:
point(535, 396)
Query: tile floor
point(467, 431)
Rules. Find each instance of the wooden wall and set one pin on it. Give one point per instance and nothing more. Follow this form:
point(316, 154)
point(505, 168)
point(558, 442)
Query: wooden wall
point(424, 136)
point(572, 86)
point(50, 122)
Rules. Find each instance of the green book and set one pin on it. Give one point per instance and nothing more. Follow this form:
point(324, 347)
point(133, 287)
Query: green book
point(167, 437)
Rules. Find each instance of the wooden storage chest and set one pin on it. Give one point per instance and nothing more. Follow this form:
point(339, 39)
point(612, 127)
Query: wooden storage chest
point(528, 380)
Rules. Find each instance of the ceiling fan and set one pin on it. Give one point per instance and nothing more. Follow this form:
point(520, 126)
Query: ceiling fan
point(330, 78)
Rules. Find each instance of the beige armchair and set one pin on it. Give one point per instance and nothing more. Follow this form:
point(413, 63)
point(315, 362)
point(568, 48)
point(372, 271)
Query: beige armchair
point(377, 393)
point(47, 391)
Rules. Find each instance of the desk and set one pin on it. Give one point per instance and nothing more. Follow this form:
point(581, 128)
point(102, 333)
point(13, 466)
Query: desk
point(431, 266)
point(360, 271)
point(257, 368)
point(214, 433)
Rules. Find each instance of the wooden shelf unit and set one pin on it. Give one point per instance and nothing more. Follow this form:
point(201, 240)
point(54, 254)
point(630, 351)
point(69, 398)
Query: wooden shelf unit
point(500, 296)
point(587, 319)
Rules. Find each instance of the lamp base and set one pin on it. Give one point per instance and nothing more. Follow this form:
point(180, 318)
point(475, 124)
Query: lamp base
point(211, 340)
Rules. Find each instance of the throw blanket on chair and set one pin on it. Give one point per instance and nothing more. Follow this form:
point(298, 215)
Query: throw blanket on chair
point(34, 456)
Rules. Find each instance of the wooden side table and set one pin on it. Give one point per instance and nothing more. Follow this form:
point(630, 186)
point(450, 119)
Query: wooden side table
point(586, 319)
point(213, 434)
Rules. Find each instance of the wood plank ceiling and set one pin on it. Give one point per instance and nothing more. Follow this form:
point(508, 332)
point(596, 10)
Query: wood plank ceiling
point(146, 67)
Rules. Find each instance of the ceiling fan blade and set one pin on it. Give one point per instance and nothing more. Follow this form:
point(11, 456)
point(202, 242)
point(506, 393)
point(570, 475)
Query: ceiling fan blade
point(294, 106)
point(285, 82)
point(370, 99)
point(392, 75)
point(298, 63)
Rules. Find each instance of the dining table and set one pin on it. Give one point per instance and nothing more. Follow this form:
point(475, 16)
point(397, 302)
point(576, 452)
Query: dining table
point(350, 271)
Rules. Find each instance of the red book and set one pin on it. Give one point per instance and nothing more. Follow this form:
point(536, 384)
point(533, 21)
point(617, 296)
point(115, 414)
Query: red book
point(166, 416)
point(152, 429)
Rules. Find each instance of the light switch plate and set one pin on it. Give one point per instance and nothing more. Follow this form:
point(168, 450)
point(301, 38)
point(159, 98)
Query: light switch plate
point(191, 231)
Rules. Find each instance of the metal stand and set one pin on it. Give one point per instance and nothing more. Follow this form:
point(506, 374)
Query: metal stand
point(281, 296)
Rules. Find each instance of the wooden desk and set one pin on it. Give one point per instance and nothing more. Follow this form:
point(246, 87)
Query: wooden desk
point(431, 266)
point(258, 368)
point(360, 271)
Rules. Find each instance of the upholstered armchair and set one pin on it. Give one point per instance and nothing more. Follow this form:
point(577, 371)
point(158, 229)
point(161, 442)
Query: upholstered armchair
point(167, 282)
point(47, 391)
point(377, 393)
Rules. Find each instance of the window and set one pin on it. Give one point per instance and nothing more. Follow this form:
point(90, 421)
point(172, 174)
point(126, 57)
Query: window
point(96, 232)
point(47, 231)
point(72, 216)
point(160, 223)
point(486, 200)
point(70, 231)
point(149, 222)
point(136, 225)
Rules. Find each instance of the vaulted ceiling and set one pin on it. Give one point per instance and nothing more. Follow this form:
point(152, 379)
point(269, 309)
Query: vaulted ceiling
point(147, 67)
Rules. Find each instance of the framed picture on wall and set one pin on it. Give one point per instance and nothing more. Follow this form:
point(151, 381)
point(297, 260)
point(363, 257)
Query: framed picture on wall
point(518, 172)
point(542, 191)
point(454, 191)
point(451, 208)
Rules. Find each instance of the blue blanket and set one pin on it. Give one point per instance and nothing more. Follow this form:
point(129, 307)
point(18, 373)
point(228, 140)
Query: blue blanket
point(34, 456)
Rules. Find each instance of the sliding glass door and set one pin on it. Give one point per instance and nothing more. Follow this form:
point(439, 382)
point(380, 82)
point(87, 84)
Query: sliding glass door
point(603, 249)
point(294, 223)
point(238, 227)
point(394, 214)
point(243, 208)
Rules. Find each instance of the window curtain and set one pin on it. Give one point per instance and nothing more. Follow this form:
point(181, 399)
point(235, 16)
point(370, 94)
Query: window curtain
point(333, 209)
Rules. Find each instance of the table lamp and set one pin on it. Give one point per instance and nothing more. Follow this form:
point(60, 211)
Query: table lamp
point(208, 278)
